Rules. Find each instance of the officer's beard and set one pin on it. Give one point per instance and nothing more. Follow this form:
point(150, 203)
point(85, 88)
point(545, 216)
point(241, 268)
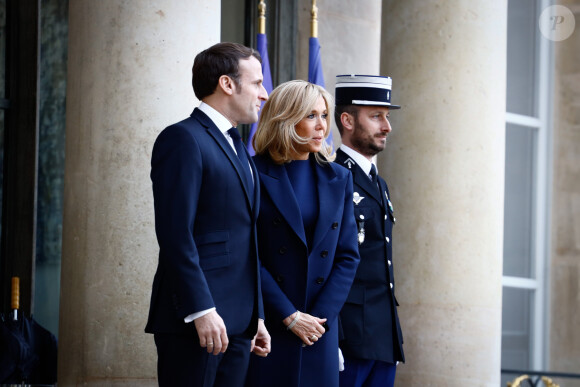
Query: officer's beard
point(364, 142)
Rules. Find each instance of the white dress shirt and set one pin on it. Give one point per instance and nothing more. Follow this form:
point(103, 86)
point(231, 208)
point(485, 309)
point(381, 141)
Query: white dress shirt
point(362, 161)
point(220, 121)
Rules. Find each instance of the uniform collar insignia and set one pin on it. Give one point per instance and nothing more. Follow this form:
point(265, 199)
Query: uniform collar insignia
point(349, 162)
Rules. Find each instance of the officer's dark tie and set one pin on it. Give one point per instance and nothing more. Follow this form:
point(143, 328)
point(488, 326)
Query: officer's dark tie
point(241, 151)
point(374, 178)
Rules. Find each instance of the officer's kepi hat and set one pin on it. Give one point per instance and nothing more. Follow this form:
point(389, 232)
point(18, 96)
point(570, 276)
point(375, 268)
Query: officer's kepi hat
point(370, 90)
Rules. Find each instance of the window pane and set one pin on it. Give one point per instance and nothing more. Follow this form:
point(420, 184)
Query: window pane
point(519, 201)
point(521, 57)
point(2, 95)
point(2, 48)
point(233, 21)
point(2, 121)
point(51, 141)
point(516, 348)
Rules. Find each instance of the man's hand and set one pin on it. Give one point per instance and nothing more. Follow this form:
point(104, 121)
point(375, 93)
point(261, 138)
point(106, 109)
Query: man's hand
point(261, 342)
point(212, 332)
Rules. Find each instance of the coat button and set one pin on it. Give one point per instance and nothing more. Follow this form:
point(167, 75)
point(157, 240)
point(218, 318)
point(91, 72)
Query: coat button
point(335, 225)
point(319, 280)
point(386, 217)
point(387, 239)
point(391, 285)
point(277, 221)
point(324, 254)
point(282, 250)
point(279, 279)
point(389, 262)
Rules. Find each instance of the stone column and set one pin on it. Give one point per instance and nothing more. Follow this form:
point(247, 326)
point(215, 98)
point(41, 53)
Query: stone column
point(565, 252)
point(129, 76)
point(445, 167)
point(349, 34)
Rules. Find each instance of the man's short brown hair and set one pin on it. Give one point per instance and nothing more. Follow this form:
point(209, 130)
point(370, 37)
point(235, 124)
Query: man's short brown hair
point(220, 59)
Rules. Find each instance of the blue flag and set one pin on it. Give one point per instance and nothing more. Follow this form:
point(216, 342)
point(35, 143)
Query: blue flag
point(314, 63)
point(315, 71)
point(263, 50)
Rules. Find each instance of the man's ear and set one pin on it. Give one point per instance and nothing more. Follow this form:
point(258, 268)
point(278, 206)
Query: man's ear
point(226, 84)
point(347, 121)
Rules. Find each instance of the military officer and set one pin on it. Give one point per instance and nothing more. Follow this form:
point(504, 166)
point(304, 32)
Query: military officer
point(372, 341)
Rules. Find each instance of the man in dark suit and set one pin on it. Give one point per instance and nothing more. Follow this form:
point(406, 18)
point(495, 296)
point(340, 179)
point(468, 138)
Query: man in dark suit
point(206, 305)
point(372, 342)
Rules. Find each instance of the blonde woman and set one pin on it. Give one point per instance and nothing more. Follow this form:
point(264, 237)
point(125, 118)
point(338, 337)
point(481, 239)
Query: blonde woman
point(306, 238)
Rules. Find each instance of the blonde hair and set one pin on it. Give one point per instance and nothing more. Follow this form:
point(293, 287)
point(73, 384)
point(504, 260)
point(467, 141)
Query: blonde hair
point(288, 104)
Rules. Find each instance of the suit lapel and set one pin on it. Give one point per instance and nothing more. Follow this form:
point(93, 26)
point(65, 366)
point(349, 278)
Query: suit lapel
point(256, 176)
point(275, 180)
point(219, 137)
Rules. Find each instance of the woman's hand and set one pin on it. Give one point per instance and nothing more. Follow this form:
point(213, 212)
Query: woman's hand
point(309, 328)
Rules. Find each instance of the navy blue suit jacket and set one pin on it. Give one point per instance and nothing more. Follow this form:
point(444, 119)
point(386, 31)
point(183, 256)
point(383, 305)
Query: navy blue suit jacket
point(369, 320)
point(205, 223)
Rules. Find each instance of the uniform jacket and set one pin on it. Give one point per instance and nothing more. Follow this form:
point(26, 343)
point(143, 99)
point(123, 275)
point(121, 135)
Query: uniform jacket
point(205, 223)
point(294, 277)
point(369, 320)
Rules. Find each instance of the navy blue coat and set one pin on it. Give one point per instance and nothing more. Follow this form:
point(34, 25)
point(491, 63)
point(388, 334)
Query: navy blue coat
point(294, 277)
point(369, 320)
point(206, 228)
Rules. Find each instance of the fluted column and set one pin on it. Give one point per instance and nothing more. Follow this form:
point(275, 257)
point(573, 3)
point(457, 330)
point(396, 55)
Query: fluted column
point(445, 167)
point(129, 76)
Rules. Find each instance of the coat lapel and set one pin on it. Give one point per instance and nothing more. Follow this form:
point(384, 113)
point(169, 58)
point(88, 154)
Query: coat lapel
point(328, 186)
point(275, 180)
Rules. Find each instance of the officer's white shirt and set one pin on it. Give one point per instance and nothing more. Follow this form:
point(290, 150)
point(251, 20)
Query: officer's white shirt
point(362, 161)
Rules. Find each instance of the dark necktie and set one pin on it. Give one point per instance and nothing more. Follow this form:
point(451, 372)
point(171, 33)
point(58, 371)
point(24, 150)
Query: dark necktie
point(241, 151)
point(374, 178)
